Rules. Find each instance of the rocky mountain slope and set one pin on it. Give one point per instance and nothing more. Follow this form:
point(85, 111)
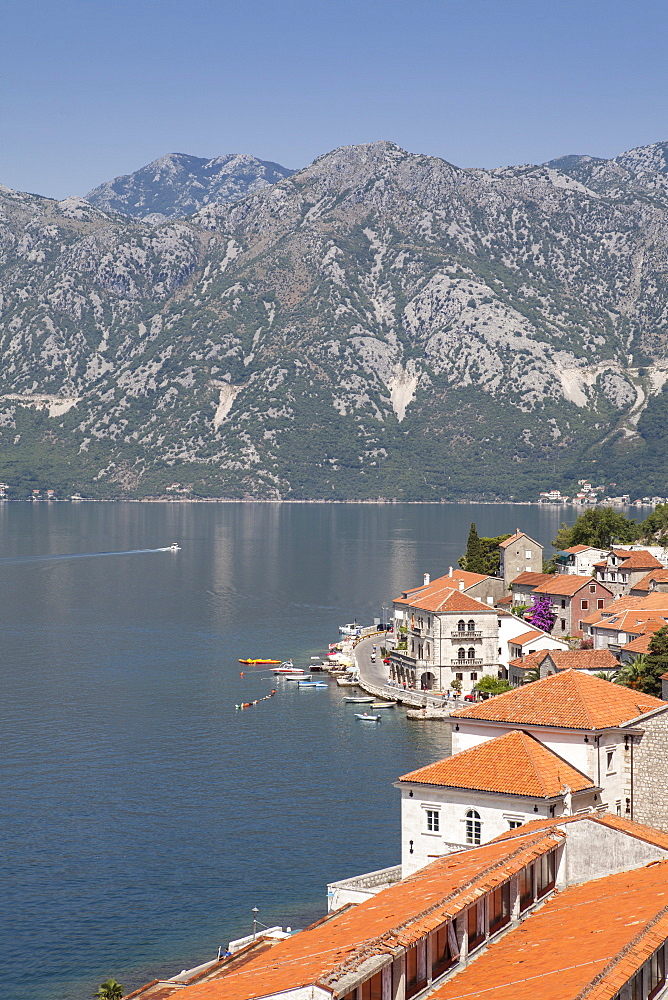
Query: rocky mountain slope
point(380, 324)
point(178, 185)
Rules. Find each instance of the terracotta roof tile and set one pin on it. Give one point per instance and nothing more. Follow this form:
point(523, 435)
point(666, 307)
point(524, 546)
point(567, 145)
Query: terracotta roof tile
point(639, 831)
point(638, 559)
point(521, 640)
point(575, 549)
point(634, 620)
point(529, 579)
point(515, 538)
point(656, 575)
point(529, 661)
point(586, 941)
point(442, 596)
point(568, 584)
point(396, 917)
point(583, 659)
point(639, 645)
point(515, 764)
point(569, 699)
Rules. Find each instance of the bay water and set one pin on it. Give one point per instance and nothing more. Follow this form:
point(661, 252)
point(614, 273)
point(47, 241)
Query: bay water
point(142, 816)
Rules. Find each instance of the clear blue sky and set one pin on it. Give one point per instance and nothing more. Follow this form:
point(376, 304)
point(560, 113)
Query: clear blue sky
point(90, 89)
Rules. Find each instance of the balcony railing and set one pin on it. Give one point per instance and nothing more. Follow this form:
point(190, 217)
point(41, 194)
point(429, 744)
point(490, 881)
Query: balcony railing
point(420, 631)
point(466, 663)
point(465, 635)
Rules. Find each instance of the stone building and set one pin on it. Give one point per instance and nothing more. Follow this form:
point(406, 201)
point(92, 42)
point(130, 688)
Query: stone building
point(579, 560)
point(547, 662)
point(626, 620)
point(557, 909)
point(519, 554)
point(572, 598)
point(449, 636)
point(611, 733)
point(480, 793)
point(620, 570)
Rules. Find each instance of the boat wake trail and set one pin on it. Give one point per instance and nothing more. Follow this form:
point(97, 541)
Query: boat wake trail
point(20, 560)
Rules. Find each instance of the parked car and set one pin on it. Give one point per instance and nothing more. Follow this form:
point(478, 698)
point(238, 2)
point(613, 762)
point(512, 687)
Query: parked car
point(469, 697)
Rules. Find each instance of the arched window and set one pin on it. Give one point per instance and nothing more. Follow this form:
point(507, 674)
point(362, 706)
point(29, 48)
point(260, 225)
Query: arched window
point(473, 827)
point(461, 625)
point(471, 653)
point(471, 626)
point(461, 653)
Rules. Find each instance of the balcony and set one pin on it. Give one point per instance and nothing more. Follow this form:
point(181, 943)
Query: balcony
point(465, 635)
point(466, 663)
point(417, 630)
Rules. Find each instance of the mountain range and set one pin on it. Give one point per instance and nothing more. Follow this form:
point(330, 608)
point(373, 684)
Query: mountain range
point(378, 324)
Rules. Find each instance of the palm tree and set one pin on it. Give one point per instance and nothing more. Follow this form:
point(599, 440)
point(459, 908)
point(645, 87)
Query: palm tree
point(632, 675)
point(111, 990)
point(607, 675)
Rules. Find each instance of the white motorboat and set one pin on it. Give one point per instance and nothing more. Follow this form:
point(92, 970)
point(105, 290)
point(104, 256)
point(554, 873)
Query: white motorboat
point(287, 667)
point(382, 704)
point(352, 628)
point(359, 701)
point(365, 717)
point(312, 684)
point(174, 547)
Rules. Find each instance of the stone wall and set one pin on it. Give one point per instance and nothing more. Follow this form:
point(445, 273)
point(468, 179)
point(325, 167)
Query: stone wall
point(650, 772)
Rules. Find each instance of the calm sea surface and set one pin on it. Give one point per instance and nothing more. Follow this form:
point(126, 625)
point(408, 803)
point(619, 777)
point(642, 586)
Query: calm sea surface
point(142, 817)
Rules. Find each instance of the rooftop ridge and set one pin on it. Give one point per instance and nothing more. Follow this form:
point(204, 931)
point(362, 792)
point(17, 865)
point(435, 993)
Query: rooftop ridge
point(553, 838)
point(590, 988)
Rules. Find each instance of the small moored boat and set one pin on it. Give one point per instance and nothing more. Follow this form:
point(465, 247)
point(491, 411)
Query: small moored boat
point(365, 717)
point(359, 701)
point(312, 684)
point(382, 704)
point(287, 667)
point(262, 662)
point(174, 547)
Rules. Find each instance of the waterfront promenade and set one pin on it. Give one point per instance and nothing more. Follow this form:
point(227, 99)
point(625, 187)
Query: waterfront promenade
point(374, 678)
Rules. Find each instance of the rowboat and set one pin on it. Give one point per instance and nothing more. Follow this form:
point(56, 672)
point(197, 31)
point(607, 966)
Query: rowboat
point(364, 717)
point(259, 661)
point(382, 704)
point(359, 701)
point(312, 684)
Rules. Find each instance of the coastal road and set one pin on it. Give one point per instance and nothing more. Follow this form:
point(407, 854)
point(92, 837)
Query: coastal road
point(373, 673)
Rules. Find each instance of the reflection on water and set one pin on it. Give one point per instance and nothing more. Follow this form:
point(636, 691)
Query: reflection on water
point(144, 817)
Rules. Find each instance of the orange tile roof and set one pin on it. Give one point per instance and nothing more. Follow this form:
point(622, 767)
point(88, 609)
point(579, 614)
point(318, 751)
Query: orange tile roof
point(569, 699)
point(529, 661)
point(639, 831)
point(575, 549)
point(633, 620)
point(513, 764)
point(568, 584)
point(588, 940)
point(508, 599)
point(515, 538)
point(396, 917)
point(442, 596)
point(638, 559)
point(520, 640)
point(583, 659)
point(529, 579)
point(658, 575)
point(639, 645)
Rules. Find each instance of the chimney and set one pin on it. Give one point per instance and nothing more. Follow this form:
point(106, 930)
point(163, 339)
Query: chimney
point(461, 584)
point(427, 579)
point(450, 571)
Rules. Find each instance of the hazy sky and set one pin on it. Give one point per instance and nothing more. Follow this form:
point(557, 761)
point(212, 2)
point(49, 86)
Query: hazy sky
point(90, 89)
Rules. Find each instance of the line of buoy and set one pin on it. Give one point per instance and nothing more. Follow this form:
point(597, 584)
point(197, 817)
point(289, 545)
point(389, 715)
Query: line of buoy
point(250, 704)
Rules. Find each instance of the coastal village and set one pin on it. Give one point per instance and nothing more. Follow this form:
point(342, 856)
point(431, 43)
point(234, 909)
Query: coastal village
point(534, 859)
